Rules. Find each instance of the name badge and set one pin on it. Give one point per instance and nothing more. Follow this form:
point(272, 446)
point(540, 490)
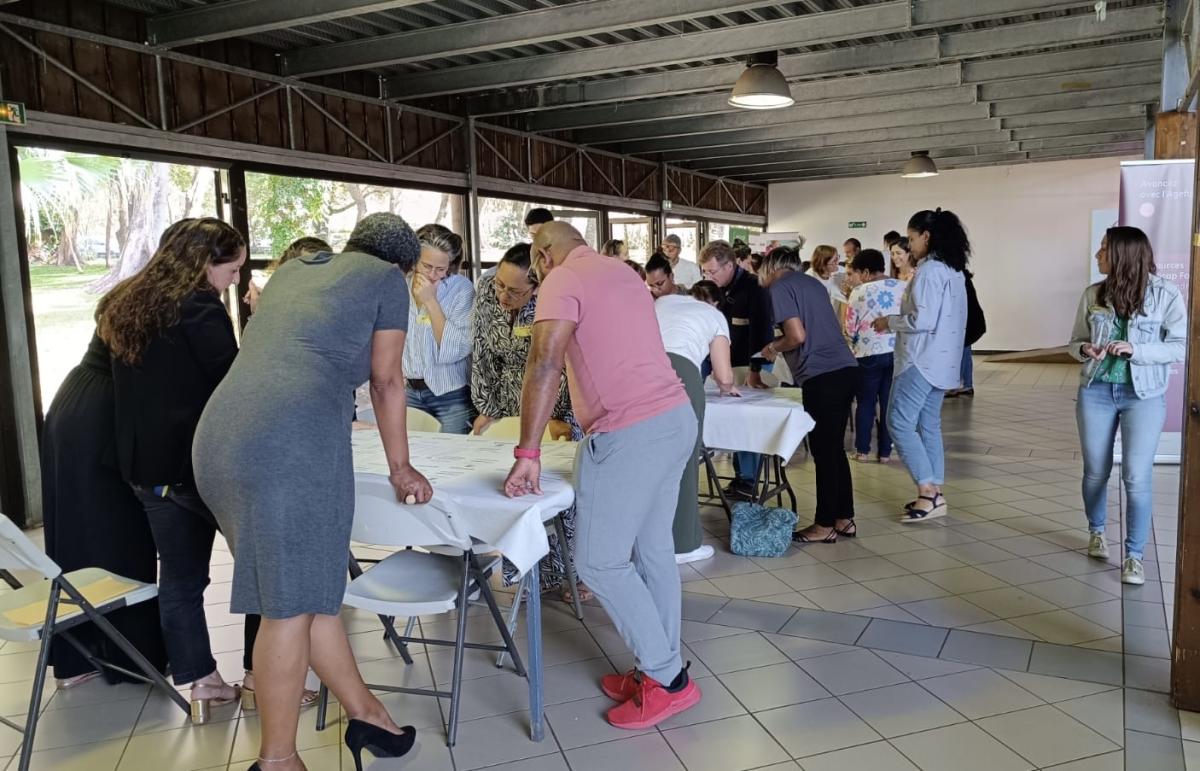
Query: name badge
point(522, 331)
point(740, 322)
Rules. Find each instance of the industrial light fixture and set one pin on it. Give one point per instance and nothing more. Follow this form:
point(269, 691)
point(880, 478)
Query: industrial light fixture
point(762, 86)
point(919, 165)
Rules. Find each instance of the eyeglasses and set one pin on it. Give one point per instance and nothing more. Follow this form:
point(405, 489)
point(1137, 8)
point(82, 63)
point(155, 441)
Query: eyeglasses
point(512, 291)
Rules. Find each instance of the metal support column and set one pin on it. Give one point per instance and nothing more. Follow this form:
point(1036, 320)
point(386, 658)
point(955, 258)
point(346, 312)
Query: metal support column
point(20, 470)
point(473, 201)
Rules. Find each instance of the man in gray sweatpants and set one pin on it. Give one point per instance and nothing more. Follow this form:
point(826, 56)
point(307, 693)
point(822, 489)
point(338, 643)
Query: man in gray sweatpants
point(596, 315)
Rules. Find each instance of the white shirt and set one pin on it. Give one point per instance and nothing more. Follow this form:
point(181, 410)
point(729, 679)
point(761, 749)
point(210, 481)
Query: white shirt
point(833, 285)
point(686, 273)
point(689, 326)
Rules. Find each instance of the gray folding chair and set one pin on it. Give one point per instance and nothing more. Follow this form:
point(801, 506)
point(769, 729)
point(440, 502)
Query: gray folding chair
point(412, 583)
point(50, 608)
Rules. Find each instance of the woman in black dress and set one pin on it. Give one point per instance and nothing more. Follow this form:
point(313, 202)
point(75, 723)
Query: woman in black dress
point(93, 518)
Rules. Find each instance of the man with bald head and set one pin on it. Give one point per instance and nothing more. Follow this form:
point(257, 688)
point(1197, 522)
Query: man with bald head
point(595, 313)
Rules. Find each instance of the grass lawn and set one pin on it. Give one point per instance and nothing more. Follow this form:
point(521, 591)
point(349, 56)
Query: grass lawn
point(62, 313)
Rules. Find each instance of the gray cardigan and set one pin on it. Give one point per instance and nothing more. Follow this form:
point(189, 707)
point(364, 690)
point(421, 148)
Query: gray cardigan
point(1158, 334)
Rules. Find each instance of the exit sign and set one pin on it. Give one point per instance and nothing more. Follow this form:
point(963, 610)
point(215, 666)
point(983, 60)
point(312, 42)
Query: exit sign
point(857, 224)
point(12, 113)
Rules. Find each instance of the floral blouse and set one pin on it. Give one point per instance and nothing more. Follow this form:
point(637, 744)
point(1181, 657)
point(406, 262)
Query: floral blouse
point(868, 302)
point(498, 356)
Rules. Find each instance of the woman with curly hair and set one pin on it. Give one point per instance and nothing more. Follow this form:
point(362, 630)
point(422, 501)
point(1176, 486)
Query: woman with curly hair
point(171, 342)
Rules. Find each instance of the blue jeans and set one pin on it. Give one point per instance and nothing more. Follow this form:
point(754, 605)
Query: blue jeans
point(915, 420)
point(873, 388)
point(967, 372)
point(452, 409)
point(1101, 408)
point(745, 466)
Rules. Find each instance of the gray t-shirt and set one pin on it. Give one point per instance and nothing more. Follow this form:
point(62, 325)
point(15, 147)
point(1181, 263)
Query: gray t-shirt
point(797, 296)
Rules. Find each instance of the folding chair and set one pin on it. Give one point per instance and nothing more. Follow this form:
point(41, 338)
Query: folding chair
point(50, 608)
point(413, 583)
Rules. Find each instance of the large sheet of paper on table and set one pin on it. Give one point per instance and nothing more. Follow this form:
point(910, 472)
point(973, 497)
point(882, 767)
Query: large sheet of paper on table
point(769, 422)
point(471, 471)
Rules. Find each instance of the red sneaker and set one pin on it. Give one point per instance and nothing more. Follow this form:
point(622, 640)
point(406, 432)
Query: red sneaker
point(621, 688)
point(651, 704)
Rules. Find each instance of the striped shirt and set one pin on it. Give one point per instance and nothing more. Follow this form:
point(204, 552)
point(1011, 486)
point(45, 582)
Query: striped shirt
point(445, 367)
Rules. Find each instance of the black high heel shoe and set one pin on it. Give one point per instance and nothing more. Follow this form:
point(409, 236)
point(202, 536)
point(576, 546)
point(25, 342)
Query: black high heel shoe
point(379, 742)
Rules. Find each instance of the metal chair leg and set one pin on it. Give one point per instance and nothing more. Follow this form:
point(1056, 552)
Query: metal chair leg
point(322, 706)
point(514, 615)
point(389, 625)
point(486, 591)
point(39, 678)
point(460, 638)
point(568, 558)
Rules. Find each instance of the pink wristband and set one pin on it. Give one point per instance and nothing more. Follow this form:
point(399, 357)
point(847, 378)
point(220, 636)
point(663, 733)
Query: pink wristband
point(524, 454)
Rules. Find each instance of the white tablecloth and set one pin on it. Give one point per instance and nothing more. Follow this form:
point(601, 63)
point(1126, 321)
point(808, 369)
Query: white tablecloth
point(471, 470)
point(768, 422)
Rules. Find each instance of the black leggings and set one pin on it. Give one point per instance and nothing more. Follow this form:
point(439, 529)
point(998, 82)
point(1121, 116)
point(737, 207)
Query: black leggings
point(827, 399)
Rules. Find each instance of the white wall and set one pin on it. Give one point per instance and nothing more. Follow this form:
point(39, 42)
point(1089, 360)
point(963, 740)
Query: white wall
point(1029, 226)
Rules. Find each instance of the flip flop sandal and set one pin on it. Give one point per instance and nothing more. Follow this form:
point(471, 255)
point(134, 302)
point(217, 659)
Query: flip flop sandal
point(914, 514)
point(850, 531)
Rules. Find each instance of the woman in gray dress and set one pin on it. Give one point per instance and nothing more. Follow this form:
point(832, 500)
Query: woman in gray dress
point(273, 459)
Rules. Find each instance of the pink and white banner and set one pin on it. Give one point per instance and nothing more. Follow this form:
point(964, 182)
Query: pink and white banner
point(1156, 196)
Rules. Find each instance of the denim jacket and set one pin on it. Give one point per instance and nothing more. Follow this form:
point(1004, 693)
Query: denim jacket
point(1158, 334)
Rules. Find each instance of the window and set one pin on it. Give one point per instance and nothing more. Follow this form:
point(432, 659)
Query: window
point(502, 225)
point(721, 231)
point(637, 231)
point(283, 209)
point(91, 221)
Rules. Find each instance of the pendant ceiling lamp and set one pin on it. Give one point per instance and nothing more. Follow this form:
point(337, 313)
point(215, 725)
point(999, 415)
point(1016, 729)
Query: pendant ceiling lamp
point(919, 165)
point(762, 86)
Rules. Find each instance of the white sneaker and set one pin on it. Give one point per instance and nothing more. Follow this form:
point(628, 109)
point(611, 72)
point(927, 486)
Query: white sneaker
point(1097, 546)
point(705, 552)
point(1132, 572)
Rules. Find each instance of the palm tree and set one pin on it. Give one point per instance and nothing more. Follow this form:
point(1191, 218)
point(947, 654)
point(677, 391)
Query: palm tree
point(55, 189)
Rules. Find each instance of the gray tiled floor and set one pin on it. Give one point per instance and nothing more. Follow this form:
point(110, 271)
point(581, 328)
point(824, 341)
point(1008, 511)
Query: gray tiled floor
point(985, 640)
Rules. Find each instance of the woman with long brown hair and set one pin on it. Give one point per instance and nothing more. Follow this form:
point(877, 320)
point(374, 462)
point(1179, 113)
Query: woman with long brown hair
point(904, 265)
point(1129, 329)
point(171, 342)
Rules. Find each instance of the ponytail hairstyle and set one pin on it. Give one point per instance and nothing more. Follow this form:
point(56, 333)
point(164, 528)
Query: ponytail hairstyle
point(1131, 262)
point(142, 307)
point(444, 240)
point(948, 242)
point(519, 256)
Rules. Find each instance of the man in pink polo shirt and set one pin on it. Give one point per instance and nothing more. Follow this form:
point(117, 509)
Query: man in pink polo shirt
point(595, 313)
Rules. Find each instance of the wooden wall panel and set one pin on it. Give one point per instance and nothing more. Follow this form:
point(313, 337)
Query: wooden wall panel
point(642, 180)
point(193, 91)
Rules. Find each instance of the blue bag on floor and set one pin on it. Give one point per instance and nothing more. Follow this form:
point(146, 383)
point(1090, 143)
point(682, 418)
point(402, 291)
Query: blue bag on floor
point(760, 531)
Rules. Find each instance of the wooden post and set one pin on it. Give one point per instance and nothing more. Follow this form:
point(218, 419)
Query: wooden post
point(1174, 135)
point(1185, 653)
point(20, 469)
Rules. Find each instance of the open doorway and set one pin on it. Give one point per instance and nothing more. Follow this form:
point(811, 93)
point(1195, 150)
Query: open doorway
point(92, 221)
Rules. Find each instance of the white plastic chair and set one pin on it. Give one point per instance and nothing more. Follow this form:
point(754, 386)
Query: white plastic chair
point(50, 608)
point(422, 421)
point(417, 420)
point(510, 429)
point(413, 583)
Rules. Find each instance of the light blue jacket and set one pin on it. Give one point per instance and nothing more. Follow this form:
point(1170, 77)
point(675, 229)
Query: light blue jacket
point(932, 326)
point(1158, 334)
